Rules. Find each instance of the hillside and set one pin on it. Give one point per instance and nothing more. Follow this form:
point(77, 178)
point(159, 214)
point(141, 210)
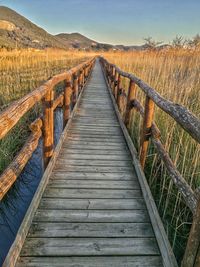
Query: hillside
point(76, 40)
point(17, 31)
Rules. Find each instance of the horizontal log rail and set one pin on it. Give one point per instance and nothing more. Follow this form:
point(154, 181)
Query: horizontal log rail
point(44, 126)
point(181, 115)
point(188, 121)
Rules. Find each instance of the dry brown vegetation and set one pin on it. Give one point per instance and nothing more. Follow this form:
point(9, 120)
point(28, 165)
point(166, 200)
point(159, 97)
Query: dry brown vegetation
point(21, 71)
point(174, 74)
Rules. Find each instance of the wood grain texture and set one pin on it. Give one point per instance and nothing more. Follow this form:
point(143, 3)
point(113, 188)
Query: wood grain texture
point(103, 261)
point(89, 246)
point(92, 212)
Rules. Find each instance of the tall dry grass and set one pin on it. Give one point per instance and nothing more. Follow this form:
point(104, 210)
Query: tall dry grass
point(175, 75)
point(21, 71)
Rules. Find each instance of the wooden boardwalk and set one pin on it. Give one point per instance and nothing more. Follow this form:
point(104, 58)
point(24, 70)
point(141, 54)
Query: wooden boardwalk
point(92, 212)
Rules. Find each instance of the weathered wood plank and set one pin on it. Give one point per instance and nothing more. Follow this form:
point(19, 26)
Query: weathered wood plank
point(94, 175)
point(109, 261)
point(94, 146)
point(98, 162)
point(90, 230)
point(89, 246)
point(91, 193)
point(105, 169)
point(92, 204)
point(59, 183)
point(88, 129)
point(94, 139)
point(74, 156)
point(73, 153)
point(95, 135)
point(91, 216)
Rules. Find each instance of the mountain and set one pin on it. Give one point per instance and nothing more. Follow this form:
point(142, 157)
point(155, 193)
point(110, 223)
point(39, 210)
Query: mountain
point(76, 40)
point(17, 31)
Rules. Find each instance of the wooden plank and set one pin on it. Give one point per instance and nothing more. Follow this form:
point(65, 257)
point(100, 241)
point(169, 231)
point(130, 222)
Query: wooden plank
point(96, 143)
point(109, 261)
point(90, 230)
point(91, 193)
point(65, 156)
point(103, 139)
point(95, 122)
point(73, 153)
point(98, 162)
point(58, 183)
point(89, 246)
point(116, 147)
point(95, 134)
point(92, 204)
point(104, 169)
point(92, 125)
point(94, 175)
point(91, 216)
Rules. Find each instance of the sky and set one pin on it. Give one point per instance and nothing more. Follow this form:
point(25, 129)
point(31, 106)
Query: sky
point(125, 22)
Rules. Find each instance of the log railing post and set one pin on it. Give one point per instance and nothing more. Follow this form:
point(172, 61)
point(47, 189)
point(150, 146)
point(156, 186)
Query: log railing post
point(192, 253)
point(130, 99)
point(110, 75)
point(67, 99)
point(48, 130)
point(75, 89)
point(119, 92)
point(115, 86)
point(112, 79)
point(80, 81)
point(83, 77)
point(146, 130)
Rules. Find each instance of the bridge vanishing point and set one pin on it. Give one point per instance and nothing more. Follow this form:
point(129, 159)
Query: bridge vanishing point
point(93, 206)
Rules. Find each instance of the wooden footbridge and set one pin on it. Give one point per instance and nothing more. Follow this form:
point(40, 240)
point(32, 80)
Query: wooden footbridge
point(93, 206)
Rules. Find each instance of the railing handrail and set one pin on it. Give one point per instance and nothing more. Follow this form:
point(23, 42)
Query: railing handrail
point(74, 79)
point(13, 113)
point(185, 118)
point(188, 121)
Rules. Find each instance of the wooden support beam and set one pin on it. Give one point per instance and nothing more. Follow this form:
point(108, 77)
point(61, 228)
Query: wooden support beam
point(48, 130)
point(146, 130)
point(131, 97)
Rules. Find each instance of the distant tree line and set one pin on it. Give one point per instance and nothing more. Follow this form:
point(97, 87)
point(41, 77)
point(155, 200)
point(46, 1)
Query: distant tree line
point(177, 42)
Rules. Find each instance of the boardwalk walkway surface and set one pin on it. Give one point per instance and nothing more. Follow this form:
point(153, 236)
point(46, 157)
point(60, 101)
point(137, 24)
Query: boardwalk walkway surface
point(92, 212)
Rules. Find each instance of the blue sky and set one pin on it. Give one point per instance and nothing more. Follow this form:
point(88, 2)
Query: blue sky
point(114, 21)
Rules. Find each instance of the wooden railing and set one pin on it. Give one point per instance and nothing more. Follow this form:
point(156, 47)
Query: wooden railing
point(74, 80)
point(183, 117)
